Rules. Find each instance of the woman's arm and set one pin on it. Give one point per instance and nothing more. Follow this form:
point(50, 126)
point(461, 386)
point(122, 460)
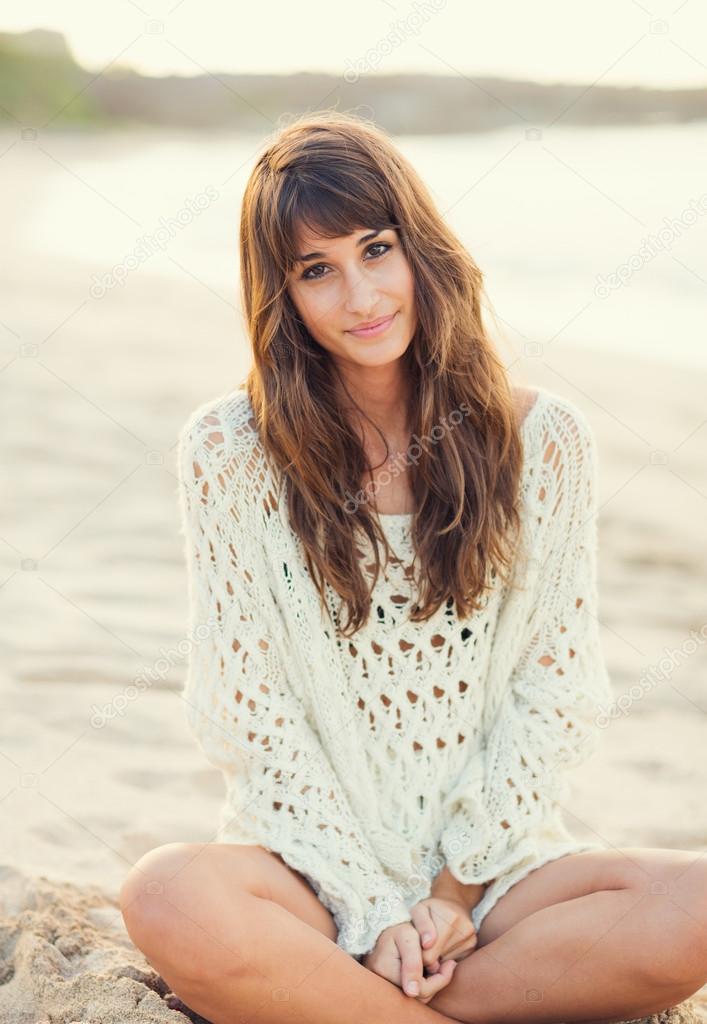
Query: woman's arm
point(282, 792)
point(546, 721)
point(447, 886)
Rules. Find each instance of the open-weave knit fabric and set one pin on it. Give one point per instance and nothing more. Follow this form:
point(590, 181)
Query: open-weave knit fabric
point(371, 762)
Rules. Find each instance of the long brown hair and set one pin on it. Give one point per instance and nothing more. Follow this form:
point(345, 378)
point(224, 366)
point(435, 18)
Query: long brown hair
point(335, 172)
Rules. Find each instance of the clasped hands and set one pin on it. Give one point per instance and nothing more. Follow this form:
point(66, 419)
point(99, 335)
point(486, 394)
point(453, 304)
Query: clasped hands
point(440, 934)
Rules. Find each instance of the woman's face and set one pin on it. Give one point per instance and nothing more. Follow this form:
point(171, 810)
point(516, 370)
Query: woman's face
point(352, 280)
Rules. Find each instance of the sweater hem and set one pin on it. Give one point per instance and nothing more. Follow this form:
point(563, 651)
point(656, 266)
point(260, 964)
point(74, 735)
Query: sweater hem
point(501, 885)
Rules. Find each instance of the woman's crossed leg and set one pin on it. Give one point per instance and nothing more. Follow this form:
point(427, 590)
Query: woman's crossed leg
point(238, 935)
point(602, 935)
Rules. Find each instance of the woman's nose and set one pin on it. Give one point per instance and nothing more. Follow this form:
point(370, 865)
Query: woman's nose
point(361, 297)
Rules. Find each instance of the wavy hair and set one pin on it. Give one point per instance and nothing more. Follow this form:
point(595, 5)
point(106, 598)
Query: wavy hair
point(334, 173)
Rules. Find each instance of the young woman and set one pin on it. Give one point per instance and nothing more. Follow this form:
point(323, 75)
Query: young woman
point(396, 658)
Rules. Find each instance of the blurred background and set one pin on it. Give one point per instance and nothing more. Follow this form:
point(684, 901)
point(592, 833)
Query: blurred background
point(565, 144)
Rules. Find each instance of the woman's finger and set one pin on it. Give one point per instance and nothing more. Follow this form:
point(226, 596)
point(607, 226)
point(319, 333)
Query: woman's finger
point(439, 949)
point(422, 920)
point(408, 942)
point(455, 935)
point(432, 951)
point(464, 946)
point(431, 986)
point(450, 936)
point(441, 953)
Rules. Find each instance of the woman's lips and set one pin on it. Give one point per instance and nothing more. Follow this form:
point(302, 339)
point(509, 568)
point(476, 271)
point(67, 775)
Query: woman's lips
point(370, 332)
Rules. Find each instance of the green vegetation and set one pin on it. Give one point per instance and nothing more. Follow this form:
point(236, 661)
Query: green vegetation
point(36, 87)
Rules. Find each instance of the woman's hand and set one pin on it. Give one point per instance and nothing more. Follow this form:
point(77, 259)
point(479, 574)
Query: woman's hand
point(445, 929)
point(397, 956)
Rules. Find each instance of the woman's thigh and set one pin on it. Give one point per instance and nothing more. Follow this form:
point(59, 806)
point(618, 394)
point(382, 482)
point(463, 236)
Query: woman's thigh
point(293, 892)
point(202, 880)
point(269, 877)
point(579, 874)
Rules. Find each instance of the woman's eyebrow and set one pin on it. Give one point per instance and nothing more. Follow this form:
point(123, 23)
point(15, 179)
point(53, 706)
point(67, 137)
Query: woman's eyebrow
point(322, 255)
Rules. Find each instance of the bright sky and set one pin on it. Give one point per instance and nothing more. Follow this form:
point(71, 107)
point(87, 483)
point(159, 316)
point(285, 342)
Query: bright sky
point(641, 42)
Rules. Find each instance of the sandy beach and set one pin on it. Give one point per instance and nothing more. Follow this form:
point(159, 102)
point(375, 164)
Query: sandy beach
point(92, 395)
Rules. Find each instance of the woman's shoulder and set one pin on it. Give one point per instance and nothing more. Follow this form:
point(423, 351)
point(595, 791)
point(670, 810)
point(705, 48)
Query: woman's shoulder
point(219, 446)
point(524, 399)
point(221, 426)
point(546, 417)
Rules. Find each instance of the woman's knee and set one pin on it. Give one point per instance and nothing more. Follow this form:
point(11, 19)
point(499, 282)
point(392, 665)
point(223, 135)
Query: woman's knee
point(146, 895)
point(670, 891)
point(179, 889)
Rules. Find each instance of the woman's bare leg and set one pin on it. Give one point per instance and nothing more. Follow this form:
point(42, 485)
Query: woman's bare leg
point(238, 936)
point(595, 936)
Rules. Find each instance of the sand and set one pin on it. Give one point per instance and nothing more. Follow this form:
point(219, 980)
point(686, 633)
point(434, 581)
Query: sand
point(92, 395)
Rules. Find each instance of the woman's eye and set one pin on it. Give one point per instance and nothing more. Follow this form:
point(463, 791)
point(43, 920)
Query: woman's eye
point(309, 276)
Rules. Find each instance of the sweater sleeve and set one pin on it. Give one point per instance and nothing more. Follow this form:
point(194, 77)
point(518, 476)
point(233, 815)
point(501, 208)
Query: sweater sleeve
point(281, 791)
point(546, 719)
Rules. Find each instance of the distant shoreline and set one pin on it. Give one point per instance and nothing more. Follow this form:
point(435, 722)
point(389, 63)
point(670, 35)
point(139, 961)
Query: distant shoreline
point(43, 85)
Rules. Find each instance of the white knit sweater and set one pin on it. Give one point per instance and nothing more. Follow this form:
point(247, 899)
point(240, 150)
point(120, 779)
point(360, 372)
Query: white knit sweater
point(368, 764)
